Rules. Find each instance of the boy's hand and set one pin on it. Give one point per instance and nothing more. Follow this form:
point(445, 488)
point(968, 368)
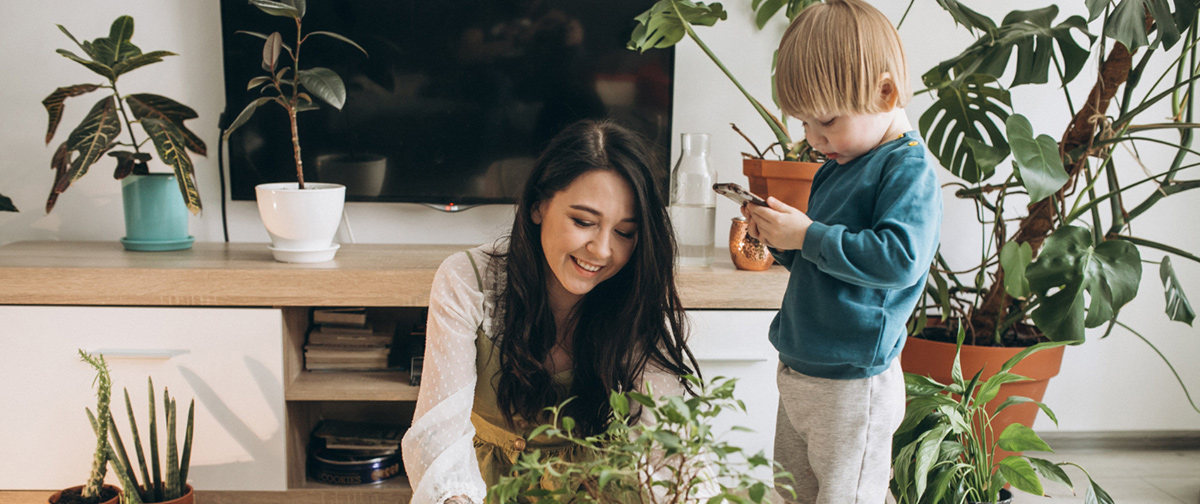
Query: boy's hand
point(778, 225)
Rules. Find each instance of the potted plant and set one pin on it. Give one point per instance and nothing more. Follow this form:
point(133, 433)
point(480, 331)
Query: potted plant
point(789, 178)
point(617, 466)
point(155, 219)
point(159, 484)
point(300, 218)
point(94, 491)
point(945, 449)
point(1058, 254)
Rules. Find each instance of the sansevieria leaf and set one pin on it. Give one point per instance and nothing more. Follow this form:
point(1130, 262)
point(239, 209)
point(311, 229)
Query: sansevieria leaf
point(324, 83)
point(1038, 161)
point(1178, 307)
point(94, 136)
point(116, 46)
point(170, 144)
point(55, 102)
point(146, 105)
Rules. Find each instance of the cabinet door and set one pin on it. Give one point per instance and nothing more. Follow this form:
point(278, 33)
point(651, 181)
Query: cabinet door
point(734, 344)
point(228, 360)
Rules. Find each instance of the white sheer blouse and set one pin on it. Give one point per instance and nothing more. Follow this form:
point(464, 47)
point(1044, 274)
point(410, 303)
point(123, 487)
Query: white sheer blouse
point(438, 450)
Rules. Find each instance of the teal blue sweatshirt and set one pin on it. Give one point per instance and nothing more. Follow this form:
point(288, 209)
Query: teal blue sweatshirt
point(862, 268)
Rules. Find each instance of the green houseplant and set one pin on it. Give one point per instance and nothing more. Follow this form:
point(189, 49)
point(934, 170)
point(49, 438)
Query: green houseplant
point(94, 491)
point(1058, 254)
point(161, 119)
point(158, 484)
point(300, 218)
point(945, 449)
point(617, 469)
point(789, 178)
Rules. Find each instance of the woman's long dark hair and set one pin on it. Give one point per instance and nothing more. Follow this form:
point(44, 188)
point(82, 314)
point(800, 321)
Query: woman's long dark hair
point(632, 320)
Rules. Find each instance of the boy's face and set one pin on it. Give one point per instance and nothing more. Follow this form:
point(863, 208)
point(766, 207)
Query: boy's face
point(845, 137)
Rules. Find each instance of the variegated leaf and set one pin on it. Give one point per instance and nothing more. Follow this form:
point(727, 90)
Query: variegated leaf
point(129, 163)
point(170, 144)
point(55, 102)
point(94, 136)
point(141, 60)
point(100, 68)
point(61, 164)
point(85, 45)
point(116, 46)
point(146, 105)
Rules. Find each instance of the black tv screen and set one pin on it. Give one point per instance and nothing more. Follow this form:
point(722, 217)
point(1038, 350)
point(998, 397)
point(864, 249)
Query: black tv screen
point(455, 100)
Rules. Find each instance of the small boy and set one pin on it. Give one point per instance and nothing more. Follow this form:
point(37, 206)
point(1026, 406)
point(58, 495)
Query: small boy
point(858, 257)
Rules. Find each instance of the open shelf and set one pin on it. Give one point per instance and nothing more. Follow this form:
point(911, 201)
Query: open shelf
point(350, 386)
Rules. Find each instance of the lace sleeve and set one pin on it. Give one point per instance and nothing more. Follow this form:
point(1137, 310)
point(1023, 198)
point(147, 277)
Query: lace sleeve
point(438, 452)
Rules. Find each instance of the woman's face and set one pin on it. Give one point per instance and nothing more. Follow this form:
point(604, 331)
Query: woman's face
point(589, 231)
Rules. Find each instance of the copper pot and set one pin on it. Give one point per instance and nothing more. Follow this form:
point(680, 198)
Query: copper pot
point(747, 252)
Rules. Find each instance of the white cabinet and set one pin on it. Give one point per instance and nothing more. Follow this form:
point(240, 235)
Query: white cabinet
point(229, 360)
point(733, 343)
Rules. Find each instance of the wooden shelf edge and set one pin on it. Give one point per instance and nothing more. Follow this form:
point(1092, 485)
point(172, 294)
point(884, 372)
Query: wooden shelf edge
point(350, 386)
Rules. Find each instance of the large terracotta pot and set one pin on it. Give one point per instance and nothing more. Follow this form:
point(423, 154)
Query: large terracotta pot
point(935, 359)
point(788, 181)
point(57, 496)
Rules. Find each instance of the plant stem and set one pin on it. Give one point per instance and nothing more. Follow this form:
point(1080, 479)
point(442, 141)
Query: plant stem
point(292, 109)
point(1182, 385)
point(128, 123)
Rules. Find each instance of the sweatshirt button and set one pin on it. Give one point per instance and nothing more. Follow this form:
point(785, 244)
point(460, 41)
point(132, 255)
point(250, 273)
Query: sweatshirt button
point(518, 444)
point(913, 143)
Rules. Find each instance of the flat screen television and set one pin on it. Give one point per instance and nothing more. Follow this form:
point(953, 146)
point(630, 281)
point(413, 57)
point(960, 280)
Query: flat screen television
point(455, 100)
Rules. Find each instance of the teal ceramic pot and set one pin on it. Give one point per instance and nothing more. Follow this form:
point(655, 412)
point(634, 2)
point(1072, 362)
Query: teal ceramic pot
point(156, 218)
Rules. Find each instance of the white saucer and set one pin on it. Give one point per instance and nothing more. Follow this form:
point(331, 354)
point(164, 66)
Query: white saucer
point(304, 256)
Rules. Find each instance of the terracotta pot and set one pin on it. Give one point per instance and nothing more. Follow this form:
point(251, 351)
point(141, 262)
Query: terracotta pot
point(788, 181)
point(934, 359)
point(188, 497)
point(58, 495)
point(746, 251)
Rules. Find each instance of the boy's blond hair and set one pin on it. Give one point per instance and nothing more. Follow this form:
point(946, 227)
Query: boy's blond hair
point(832, 59)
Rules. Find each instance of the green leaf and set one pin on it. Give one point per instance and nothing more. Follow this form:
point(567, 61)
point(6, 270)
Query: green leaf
point(141, 60)
point(1052, 472)
point(927, 454)
point(94, 136)
point(245, 115)
point(299, 5)
point(965, 16)
point(986, 156)
point(1020, 474)
point(99, 68)
point(916, 385)
point(1109, 273)
point(1019, 438)
point(568, 424)
point(1037, 159)
point(970, 108)
point(129, 163)
point(276, 8)
point(339, 37)
point(1014, 258)
point(1126, 23)
point(619, 404)
point(85, 46)
point(991, 387)
point(1032, 34)
point(1096, 8)
point(116, 47)
point(264, 37)
point(6, 204)
point(257, 81)
point(146, 105)
point(1178, 306)
point(55, 102)
point(663, 24)
point(1015, 400)
point(270, 52)
point(172, 150)
point(1096, 495)
point(324, 83)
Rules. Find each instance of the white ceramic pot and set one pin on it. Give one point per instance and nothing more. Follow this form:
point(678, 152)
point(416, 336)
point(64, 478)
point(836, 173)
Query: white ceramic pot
point(301, 222)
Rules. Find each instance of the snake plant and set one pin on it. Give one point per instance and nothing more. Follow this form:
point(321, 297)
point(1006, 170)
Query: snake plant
point(154, 488)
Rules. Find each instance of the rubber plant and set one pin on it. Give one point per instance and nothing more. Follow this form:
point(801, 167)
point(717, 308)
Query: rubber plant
point(668, 21)
point(667, 460)
point(290, 86)
point(161, 118)
point(945, 450)
point(155, 486)
point(95, 482)
point(1058, 252)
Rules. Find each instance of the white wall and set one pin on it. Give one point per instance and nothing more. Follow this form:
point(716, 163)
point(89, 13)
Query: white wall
point(1115, 384)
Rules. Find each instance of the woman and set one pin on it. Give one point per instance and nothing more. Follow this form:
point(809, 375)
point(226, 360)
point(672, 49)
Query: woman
point(581, 301)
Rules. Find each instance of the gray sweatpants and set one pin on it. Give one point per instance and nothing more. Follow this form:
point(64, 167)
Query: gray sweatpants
point(835, 436)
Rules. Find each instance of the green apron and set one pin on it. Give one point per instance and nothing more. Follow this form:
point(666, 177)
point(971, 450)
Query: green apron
point(496, 446)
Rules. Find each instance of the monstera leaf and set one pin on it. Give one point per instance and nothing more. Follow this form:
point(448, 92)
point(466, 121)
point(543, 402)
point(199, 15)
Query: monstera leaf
point(965, 120)
point(1070, 265)
point(766, 9)
point(1034, 37)
point(1037, 159)
point(1178, 306)
point(1127, 22)
point(663, 25)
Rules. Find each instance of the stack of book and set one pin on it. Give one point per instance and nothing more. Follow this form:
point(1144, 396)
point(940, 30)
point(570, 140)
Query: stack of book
point(343, 339)
point(344, 452)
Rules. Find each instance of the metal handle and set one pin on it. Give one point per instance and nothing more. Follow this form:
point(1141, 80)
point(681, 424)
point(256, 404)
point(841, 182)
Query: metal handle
point(141, 354)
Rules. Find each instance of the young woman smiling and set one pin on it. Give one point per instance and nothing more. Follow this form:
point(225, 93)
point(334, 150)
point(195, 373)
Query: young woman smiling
point(580, 300)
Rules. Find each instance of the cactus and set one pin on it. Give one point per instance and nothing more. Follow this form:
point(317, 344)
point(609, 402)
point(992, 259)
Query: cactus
point(91, 490)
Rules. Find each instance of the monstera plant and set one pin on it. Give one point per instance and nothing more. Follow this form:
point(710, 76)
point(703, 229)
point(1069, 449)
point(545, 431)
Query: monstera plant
point(1058, 253)
point(161, 118)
